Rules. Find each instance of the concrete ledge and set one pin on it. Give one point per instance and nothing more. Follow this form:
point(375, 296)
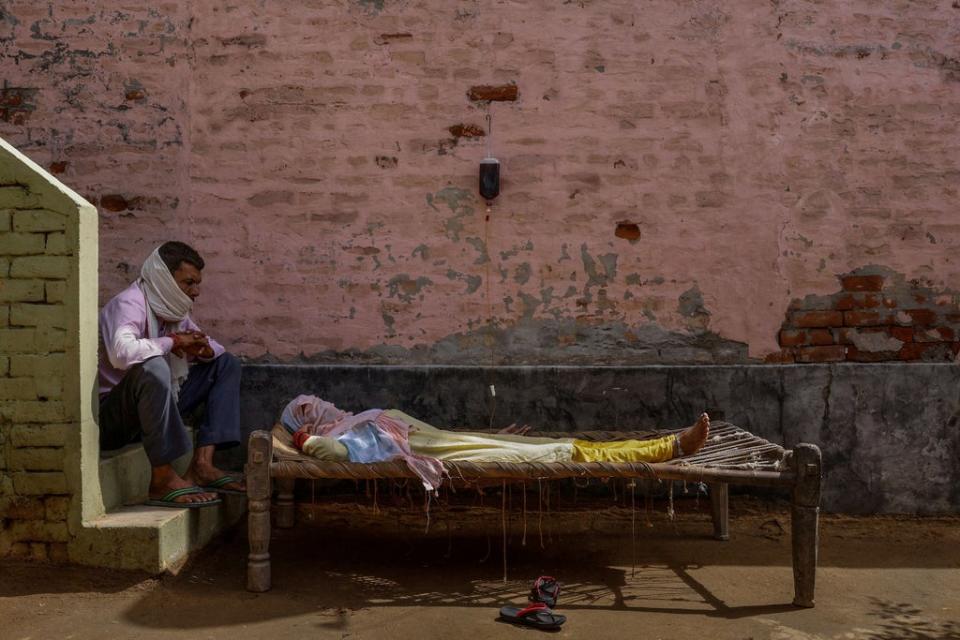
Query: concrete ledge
point(889, 432)
point(152, 539)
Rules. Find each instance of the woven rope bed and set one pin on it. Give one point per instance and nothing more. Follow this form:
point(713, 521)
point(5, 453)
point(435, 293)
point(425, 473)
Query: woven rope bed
point(731, 456)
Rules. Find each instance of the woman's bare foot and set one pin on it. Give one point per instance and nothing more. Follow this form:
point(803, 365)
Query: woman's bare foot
point(694, 437)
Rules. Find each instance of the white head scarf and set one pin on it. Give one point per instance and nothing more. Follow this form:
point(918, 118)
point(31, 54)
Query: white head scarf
point(168, 303)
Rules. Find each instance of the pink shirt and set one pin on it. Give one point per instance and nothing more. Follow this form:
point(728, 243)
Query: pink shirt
point(123, 336)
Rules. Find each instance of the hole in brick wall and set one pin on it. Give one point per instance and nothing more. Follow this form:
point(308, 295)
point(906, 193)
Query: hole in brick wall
point(466, 131)
point(114, 202)
point(498, 93)
point(628, 231)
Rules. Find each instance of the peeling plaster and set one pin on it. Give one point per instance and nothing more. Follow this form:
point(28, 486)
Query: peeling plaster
point(545, 341)
point(459, 201)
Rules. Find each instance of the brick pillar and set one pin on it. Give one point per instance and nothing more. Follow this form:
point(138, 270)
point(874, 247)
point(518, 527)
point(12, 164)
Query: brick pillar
point(41, 381)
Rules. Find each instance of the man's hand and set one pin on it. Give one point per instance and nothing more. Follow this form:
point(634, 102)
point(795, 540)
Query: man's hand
point(191, 343)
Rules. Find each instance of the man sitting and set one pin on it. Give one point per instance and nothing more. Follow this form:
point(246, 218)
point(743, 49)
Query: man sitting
point(155, 364)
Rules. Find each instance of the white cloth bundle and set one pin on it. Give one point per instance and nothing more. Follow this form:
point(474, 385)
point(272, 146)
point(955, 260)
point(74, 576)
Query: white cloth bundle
point(167, 302)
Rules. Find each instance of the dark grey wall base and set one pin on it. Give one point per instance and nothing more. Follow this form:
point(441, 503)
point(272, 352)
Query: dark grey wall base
point(889, 432)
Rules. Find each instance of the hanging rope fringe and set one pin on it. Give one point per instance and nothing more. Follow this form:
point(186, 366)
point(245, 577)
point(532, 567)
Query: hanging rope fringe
point(523, 542)
point(503, 526)
point(426, 508)
point(633, 527)
point(540, 512)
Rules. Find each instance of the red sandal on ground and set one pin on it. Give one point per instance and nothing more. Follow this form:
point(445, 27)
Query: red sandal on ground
point(536, 614)
point(545, 589)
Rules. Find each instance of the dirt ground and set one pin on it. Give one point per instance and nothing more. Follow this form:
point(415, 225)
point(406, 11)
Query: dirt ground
point(355, 571)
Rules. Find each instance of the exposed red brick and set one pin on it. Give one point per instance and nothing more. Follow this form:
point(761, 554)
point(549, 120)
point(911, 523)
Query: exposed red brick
point(246, 40)
point(780, 357)
point(890, 303)
point(857, 301)
point(17, 104)
point(384, 38)
point(791, 338)
point(10, 98)
point(498, 93)
point(56, 168)
point(856, 355)
point(866, 318)
point(22, 508)
point(955, 347)
point(913, 350)
point(847, 335)
point(903, 334)
point(835, 353)
point(466, 131)
point(922, 317)
point(920, 298)
point(628, 231)
point(953, 317)
point(845, 303)
point(862, 283)
point(820, 337)
point(938, 334)
point(818, 319)
point(135, 95)
point(114, 202)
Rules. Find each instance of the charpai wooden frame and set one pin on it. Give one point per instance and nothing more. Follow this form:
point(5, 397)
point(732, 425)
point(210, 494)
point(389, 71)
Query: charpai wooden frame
point(731, 456)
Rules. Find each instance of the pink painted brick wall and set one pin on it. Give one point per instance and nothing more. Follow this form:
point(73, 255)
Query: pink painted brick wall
point(760, 149)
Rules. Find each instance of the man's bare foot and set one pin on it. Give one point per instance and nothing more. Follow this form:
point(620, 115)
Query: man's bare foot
point(694, 437)
point(206, 474)
point(202, 471)
point(164, 479)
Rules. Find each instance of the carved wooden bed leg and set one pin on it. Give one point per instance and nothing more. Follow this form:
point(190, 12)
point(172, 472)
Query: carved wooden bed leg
point(720, 506)
point(805, 522)
point(286, 509)
point(259, 457)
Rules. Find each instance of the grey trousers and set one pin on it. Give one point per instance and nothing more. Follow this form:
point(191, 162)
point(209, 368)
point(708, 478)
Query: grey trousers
point(141, 407)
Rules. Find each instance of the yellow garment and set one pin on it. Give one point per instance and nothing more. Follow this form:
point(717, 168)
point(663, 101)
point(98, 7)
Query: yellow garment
point(466, 446)
point(327, 449)
point(624, 450)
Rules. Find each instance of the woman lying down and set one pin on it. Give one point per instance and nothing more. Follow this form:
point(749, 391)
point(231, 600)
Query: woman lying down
point(325, 432)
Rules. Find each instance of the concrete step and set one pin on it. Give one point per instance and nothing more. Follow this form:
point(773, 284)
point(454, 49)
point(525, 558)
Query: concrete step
point(153, 539)
point(134, 536)
point(125, 475)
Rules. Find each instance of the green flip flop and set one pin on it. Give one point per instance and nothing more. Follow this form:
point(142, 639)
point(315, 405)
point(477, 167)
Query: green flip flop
point(170, 500)
point(218, 485)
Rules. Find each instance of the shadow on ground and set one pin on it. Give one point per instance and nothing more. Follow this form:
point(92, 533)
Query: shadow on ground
point(353, 568)
point(607, 560)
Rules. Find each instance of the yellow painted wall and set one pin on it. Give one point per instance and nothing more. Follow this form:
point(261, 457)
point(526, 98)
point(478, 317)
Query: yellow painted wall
point(48, 338)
